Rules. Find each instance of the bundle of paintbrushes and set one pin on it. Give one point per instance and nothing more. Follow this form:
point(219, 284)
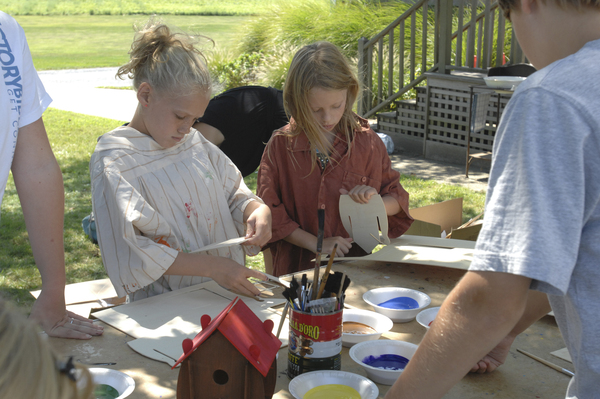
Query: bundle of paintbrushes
point(329, 298)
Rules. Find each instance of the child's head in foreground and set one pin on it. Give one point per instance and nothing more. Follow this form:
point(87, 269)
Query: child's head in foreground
point(30, 369)
point(172, 82)
point(319, 92)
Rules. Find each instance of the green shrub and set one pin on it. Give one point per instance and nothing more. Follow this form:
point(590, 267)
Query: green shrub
point(300, 22)
point(273, 71)
point(240, 71)
point(280, 33)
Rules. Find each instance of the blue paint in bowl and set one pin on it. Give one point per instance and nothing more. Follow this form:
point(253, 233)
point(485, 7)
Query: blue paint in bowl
point(401, 302)
point(386, 362)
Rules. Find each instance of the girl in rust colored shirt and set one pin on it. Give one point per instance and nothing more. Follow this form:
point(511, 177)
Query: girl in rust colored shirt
point(326, 150)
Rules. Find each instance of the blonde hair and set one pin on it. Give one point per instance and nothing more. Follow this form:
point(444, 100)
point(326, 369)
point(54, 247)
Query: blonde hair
point(319, 65)
point(29, 365)
point(168, 61)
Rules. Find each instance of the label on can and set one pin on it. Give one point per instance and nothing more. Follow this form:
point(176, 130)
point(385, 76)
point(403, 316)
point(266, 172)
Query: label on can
point(315, 342)
point(298, 365)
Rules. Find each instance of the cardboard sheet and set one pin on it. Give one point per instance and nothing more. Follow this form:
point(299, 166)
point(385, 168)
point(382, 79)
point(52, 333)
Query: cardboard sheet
point(433, 242)
point(468, 233)
point(562, 354)
point(447, 214)
point(165, 340)
point(83, 309)
point(228, 243)
point(432, 251)
point(421, 228)
point(364, 222)
point(88, 291)
point(162, 322)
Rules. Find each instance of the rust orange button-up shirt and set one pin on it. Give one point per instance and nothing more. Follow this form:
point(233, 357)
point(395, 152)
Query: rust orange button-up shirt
point(294, 194)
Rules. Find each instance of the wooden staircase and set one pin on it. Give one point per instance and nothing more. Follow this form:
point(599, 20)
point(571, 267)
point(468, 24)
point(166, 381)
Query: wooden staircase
point(468, 37)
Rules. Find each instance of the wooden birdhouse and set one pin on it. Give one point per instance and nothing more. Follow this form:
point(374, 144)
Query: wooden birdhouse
point(232, 357)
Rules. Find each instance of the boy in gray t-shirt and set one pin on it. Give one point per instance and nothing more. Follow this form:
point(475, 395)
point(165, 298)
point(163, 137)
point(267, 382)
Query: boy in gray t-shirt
point(540, 243)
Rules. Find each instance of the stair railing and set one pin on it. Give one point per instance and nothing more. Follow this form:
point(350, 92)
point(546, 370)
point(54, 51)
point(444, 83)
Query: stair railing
point(404, 27)
point(407, 53)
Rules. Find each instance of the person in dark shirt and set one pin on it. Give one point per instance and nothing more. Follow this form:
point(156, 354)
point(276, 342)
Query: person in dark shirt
point(241, 120)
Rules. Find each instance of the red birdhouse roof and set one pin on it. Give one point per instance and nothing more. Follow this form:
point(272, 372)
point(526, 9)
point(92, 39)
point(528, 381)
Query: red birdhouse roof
point(244, 330)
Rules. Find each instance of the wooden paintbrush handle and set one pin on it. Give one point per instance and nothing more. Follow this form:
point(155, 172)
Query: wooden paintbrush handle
point(547, 363)
point(326, 274)
point(320, 233)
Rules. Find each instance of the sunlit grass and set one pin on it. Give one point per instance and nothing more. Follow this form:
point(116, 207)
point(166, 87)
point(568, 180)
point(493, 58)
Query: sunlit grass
point(118, 7)
point(92, 41)
point(426, 192)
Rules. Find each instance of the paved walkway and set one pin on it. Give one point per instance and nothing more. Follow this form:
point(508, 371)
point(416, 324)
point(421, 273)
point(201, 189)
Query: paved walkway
point(79, 90)
point(442, 172)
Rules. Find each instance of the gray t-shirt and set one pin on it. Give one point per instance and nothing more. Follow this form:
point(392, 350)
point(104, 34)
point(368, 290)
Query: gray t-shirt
point(542, 216)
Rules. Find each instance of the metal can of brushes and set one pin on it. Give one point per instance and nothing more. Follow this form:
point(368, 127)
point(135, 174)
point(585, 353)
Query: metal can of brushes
point(315, 342)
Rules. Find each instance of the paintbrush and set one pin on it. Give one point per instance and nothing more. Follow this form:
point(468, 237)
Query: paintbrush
point(287, 297)
point(326, 274)
point(547, 363)
point(337, 282)
point(296, 287)
point(342, 290)
point(303, 286)
point(283, 314)
point(320, 232)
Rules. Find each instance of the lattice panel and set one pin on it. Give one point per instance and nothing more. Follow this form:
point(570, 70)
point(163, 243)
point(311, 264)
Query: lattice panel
point(408, 120)
point(449, 117)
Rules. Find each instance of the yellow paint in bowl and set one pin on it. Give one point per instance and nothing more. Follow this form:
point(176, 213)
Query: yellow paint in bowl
point(332, 391)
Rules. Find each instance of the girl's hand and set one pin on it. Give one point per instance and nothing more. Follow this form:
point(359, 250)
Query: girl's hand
point(343, 245)
point(258, 226)
point(360, 194)
point(233, 276)
point(56, 321)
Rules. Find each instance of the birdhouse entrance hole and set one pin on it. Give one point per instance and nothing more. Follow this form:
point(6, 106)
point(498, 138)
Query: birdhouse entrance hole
point(220, 377)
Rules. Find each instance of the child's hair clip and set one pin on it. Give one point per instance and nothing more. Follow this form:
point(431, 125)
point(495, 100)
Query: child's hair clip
point(67, 368)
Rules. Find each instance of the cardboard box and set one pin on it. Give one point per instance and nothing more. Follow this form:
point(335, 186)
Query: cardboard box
point(444, 217)
point(470, 232)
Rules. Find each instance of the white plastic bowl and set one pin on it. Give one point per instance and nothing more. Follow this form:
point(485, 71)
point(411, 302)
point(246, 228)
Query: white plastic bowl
point(382, 347)
point(376, 321)
point(503, 82)
point(120, 381)
point(379, 295)
point(303, 383)
point(425, 317)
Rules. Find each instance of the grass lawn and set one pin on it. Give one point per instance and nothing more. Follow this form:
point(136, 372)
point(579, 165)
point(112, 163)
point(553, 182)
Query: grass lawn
point(91, 41)
point(131, 7)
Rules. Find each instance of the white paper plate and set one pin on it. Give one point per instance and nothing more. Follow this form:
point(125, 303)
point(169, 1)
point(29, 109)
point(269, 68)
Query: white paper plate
point(503, 82)
point(427, 316)
point(377, 321)
point(378, 295)
point(303, 383)
point(122, 382)
point(377, 348)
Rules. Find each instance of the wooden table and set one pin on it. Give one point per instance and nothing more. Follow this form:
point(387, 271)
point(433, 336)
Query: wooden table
point(520, 377)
